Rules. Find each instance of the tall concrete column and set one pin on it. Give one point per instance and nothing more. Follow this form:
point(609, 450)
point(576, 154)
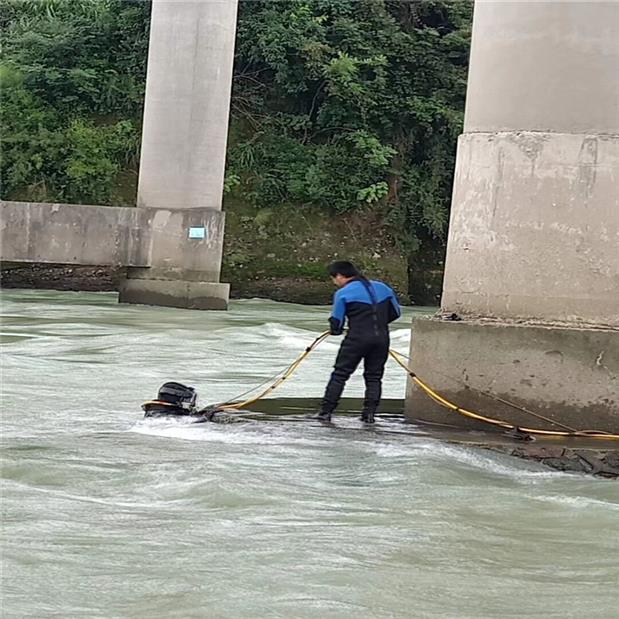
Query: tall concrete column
point(533, 250)
point(183, 155)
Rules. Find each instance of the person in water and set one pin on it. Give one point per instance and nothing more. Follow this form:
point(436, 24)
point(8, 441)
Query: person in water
point(369, 307)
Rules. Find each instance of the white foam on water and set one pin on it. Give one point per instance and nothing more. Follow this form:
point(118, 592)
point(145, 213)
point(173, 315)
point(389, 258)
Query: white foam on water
point(496, 464)
point(581, 502)
point(398, 451)
point(69, 496)
point(272, 335)
point(243, 433)
point(400, 339)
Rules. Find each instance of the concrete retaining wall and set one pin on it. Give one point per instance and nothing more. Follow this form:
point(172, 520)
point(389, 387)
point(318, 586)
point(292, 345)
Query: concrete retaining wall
point(156, 241)
point(74, 234)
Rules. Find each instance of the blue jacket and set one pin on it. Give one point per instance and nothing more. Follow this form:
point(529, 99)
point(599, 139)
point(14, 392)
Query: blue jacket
point(369, 307)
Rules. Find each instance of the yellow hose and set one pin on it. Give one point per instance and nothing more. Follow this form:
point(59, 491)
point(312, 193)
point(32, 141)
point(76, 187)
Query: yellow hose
point(497, 422)
point(436, 397)
point(288, 372)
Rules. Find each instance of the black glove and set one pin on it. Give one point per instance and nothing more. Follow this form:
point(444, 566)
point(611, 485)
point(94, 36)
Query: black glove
point(336, 327)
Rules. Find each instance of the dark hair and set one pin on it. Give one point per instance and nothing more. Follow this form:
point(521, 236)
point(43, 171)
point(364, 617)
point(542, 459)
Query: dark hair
point(345, 268)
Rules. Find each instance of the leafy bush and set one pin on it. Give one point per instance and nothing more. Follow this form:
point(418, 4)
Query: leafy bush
point(340, 104)
point(346, 103)
point(72, 83)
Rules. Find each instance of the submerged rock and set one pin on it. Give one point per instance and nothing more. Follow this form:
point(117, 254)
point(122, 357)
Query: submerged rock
point(600, 462)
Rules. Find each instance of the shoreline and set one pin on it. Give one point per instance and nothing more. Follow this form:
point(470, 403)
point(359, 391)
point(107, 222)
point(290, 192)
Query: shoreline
point(107, 278)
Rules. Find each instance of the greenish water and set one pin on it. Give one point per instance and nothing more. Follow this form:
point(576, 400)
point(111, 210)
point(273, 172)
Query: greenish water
point(105, 514)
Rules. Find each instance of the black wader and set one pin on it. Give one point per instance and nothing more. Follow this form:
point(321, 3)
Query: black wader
point(373, 351)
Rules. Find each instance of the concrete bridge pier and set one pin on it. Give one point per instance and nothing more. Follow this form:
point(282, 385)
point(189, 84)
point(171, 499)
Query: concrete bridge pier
point(183, 154)
point(533, 251)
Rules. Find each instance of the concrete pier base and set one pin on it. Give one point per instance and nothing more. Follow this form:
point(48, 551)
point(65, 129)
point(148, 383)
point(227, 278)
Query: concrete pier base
point(168, 293)
point(570, 375)
point(196, 284)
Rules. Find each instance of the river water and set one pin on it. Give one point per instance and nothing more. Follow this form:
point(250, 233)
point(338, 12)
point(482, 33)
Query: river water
point(108, 515)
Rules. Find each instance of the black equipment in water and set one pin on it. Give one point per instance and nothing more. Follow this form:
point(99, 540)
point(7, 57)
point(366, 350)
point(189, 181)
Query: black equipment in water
point(177, 400)
point(172, 399)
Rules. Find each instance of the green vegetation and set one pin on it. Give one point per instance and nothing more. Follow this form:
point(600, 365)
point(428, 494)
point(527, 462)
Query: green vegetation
point(281, 253)
point(72, 81)
point(348, 103)
point(348, 107)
